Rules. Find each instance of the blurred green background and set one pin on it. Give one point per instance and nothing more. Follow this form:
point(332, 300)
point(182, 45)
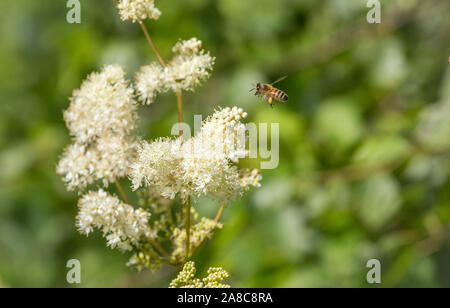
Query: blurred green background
point(364, 138)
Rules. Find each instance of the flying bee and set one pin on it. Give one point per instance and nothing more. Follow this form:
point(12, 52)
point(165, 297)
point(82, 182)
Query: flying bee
point(270, 93)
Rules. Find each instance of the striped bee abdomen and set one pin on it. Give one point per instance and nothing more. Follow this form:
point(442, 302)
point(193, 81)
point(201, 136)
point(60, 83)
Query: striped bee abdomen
point(284, 97)
point(280, 95)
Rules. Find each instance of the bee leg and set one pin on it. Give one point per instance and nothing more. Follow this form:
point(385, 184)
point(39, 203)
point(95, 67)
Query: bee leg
point(271, 102)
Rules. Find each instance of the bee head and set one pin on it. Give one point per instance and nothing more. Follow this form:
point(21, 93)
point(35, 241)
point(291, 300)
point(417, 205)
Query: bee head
point(257, 88)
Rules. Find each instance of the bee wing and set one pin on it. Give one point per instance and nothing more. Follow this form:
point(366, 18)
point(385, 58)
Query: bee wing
point(278, 80)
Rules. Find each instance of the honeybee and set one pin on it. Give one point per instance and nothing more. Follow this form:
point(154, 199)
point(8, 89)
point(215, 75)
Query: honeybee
point(270, 93)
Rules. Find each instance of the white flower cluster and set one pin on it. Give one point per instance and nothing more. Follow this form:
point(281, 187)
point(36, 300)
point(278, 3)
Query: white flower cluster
point(138, 10)
point(120, 223)
point(107, 159)
point(101, 118)
point(199, 166)
point(103, 105)
point(188, 68)
point(223, 133)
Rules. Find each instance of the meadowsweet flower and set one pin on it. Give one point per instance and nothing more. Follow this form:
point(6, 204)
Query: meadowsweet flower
point(149, 82)
point(105, 160)
point(209, 156)
point(157, 165)
point(191, 46)
point(121, 224)
point(101, 119)
point(188, 68)
point(103, 105)
point(209, 173)
point(224, 133)
point(200, 166)
point(185, 278)
point(136, 10)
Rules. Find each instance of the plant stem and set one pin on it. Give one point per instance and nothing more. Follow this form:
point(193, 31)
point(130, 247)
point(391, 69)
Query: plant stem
point(219, 213)
point(164, 63)
point(158, 246)
point(122, 193)
point(180, 112)
point(150, 41)
point(142, 248)
point(188, 226)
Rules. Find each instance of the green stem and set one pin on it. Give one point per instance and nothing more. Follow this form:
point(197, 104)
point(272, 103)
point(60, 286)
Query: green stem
point(219, 213)
point(188, 226)
point(180, 113)
point(122, 193)
point(150, 41)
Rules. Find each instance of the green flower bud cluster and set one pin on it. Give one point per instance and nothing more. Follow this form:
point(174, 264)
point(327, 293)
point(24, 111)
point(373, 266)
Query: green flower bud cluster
point(185, 278)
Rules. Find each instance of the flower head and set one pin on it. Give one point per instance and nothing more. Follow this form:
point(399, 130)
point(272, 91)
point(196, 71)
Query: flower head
point(188, 68)
point(200, 166)
point(189, 47)
point(101, 119)
point(223, 133)
point(120, 223)
point(157, 165)
point(105, 160)
point(103, 105)
point(149, 82)
point(138, 10)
